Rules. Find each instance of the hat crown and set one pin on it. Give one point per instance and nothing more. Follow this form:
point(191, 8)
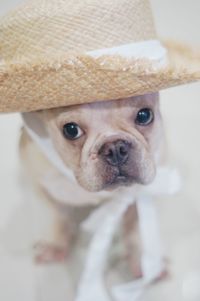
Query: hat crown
point(56, 27)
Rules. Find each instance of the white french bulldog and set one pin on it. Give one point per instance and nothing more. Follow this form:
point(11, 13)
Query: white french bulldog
point(90, 154)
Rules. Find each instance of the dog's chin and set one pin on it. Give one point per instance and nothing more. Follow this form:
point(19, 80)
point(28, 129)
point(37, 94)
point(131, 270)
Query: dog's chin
point(108, 185)
point(113, 184)
point(114, 179)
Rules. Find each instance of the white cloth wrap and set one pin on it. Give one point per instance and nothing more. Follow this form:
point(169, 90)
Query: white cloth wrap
point(104, 221)
point(152, 50)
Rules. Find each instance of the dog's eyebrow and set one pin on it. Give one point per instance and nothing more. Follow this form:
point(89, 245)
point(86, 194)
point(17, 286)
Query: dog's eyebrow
point(146, 99)
point(68, 114)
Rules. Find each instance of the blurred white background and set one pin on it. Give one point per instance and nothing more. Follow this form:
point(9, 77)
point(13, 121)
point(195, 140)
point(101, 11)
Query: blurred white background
point(179, 216)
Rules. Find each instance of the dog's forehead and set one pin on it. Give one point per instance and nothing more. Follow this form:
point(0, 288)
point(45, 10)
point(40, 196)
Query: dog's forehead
point(136, 101)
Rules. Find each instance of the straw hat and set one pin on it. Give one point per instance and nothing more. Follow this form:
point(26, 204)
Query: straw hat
point(62, 52)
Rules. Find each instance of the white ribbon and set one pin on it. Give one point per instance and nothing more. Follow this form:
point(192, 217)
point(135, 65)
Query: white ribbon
point(37, 132)
point(91, 286)
point(152, 50)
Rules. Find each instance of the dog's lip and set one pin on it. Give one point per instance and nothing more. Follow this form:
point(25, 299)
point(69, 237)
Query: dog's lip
point(121, 175)
point(120, 179)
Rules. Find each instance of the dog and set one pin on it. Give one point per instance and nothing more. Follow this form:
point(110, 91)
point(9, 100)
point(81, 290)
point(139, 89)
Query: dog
point(107, 149)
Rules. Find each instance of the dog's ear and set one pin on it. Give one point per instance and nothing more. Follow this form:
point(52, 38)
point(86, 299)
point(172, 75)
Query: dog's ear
point(34, 122)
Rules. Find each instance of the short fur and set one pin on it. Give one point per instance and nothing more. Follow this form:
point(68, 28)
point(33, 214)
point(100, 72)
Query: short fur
point(95, 180)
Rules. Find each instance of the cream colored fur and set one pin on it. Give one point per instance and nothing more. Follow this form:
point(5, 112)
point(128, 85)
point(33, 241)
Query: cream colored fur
point(63, 202)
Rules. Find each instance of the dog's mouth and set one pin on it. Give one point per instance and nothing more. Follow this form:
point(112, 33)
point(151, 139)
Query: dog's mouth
point(121, 179)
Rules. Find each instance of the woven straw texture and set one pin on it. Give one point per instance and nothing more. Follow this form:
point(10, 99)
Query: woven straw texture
point(57, 27)
point(43, 62)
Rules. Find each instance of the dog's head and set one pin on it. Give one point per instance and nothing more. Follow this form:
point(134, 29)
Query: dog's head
point(108, 144)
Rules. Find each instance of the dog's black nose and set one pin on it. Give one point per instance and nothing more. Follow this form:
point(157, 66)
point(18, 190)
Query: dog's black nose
point(115, 153)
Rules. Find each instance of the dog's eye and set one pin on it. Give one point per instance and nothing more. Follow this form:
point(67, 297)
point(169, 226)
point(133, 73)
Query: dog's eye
point(72, 131)
point(144, 117)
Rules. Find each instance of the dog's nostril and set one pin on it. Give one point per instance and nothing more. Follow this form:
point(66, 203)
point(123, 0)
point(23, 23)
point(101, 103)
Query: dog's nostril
point(110, 153)
point(122, 150)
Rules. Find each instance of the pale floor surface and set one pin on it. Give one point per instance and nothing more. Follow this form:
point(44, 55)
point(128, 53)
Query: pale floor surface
point(179, 216)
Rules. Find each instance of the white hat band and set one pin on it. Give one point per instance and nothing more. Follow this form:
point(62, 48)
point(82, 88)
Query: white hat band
point(151, 50)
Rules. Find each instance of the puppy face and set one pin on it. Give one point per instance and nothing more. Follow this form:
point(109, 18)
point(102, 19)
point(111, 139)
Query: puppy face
point(108, 144)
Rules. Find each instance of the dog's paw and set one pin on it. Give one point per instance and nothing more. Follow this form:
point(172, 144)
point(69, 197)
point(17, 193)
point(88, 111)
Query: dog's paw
point(163, 275)
point(46, 253)
point(136, 270)
point(137, 274)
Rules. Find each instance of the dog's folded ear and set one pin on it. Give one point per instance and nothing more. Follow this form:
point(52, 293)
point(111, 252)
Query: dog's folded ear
point(34, 123)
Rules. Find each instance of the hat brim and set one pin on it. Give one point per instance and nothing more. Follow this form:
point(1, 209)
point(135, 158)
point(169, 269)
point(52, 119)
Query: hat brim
point(77, 79)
